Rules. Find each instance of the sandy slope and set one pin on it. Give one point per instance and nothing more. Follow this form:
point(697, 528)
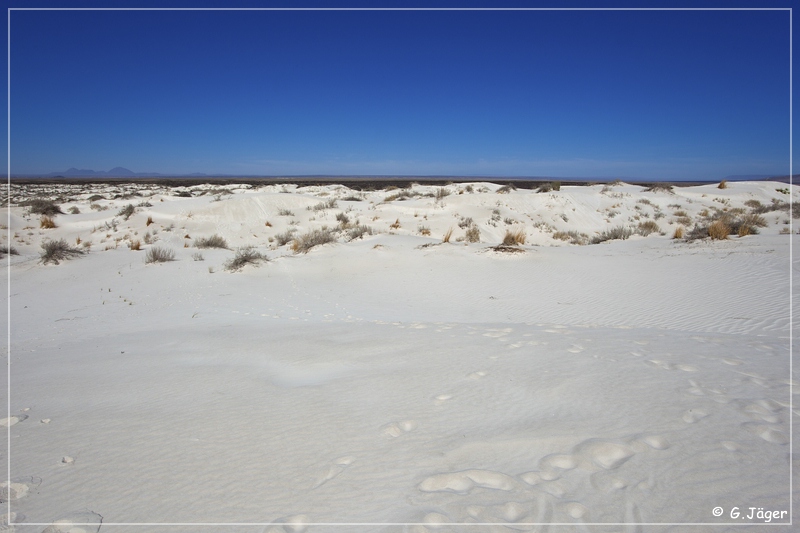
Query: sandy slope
point(638, 381)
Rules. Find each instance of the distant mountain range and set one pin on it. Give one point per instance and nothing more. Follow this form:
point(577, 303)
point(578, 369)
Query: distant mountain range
point(121, 172)
point(116, 172)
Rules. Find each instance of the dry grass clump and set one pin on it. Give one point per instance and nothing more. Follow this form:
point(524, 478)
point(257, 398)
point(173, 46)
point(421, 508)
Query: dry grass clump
point(60, 250)
point(246, 255)
point(441, 192)
point(316, 237)
point(619, 232)
point(401, 195)
point(358, 231)
point(159, 255)
point(507, 188)
point(285, 237)
point(10, 250)
point(396, 224)
point(136, 245)
point(149, 221)
point(126, 211)
point(285, 213)
point(572, 236)
point(514, 237)
point(473, 234)
point(447, 235)
point(678, 233)
point(215, 241)
point(328, 204)
point(719, 230)
point(549, 186)
point(352, 199)
point(424, 230)
point(647, 227)
point(74, 210)
point(43, 207)
point(723, 184)
point(47, 222)
point(659, 187)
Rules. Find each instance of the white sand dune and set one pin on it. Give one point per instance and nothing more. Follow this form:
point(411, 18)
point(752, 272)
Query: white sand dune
point(393, 378)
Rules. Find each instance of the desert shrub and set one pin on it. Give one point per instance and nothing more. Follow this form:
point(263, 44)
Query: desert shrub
point(659, 187)
point(441, 192)
point(126, 211)
point(678, 233)
point(183, 194)
point(136, 245)
point(719, 230)
point(60, 250)
point(509, 221)
point(572, 236)
point(215, 241)
point(10, 250)
point(43, 207)
point(646, 228)
point(149, 221)
point(285, 213)
point(775, 205)
point(680, 213)
point(159, 255)
point(752, 203)
point(549, 186)
point(197, 256)
point(74, 210)
point(95, 197)
point(358, 231)
point(285, 237)
point(465, 222)
point(514, 237)
point(401, 195)
point(47, 222)
point(246, 255)
point(396, 224)
point(686, 221)
point(327, 204)
point(352, 199)
point(723, 184)
point(619, 232)
point(98, 207)
point(746, 225)
point(473, 234)
point(644, 201)
point(448, 234)
point(469, 189)
point(424, 230)
point(507, 188)
point(316, 237)
point(343, 219)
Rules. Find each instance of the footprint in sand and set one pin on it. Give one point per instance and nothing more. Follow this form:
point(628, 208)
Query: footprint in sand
point(395, 429)
point(442, 398)
point(605, 454)
point(18, 488)
point(693, 415)
point(89, 523)
point(477, 375)
point(464, 482)
point(338, 466)
point(576, 348)
point(10, 421)
point(290, 524)
point(768, 433)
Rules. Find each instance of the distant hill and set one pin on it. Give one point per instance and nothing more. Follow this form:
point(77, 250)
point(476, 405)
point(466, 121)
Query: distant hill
point(116, 172)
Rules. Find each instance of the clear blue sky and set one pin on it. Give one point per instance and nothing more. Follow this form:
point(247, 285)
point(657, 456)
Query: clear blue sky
point(656, 95)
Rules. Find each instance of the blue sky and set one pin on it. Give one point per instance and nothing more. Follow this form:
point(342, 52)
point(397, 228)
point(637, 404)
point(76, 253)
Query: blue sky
point(655, 95)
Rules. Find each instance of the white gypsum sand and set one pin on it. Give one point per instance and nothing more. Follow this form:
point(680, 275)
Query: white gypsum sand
point(389, 377)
